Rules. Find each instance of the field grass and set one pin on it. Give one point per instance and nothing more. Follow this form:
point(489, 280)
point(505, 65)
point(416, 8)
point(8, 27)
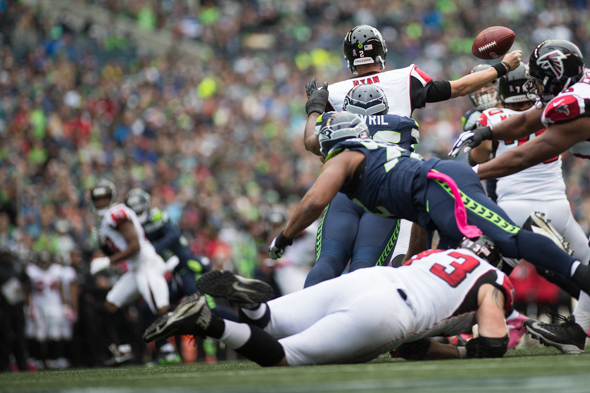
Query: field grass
point(536, 369)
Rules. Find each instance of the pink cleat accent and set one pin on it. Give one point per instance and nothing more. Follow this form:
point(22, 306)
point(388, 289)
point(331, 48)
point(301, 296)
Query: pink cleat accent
point(516, 329)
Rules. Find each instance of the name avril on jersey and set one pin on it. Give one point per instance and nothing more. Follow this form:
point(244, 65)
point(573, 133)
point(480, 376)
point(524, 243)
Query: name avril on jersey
point(378, 120)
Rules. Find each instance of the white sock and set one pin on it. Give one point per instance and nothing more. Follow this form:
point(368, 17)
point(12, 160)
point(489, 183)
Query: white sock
point(574, 267)
point(235, 334)
point(582, 311)
point(256, 314)
point(167, 348)
point(124, 348)
point(513, 314)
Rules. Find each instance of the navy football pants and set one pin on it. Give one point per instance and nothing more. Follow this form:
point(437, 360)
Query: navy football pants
point(346, 233)
point(489, 218)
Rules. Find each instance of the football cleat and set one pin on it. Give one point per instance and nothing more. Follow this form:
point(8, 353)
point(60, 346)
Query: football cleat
point(537, 223)
point(192, 317)
point(165, 359)
point(238, 291)
point(118, 357)
point(568, 336)
point(516, 329)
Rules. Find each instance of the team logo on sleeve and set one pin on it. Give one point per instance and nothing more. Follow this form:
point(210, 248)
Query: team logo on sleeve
point(562, 108)
point(552, 61)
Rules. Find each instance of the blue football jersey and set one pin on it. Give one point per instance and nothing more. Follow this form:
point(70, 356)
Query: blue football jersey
point(386, 187)
point(401, 130)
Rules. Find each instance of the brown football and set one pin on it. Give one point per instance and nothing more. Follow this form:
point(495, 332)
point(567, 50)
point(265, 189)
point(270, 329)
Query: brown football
point(493, 42)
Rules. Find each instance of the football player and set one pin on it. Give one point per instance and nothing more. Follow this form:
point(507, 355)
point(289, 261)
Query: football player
point(365, 51)
point(169, 242)
point(346, 231)
point(540, 188)
point(123, 238)
point(45, 309)
point(358, 316)
point(557, 75)
point(389, 181)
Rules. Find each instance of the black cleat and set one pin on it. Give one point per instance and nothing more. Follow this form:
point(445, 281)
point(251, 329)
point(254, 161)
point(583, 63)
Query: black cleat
point(238, 291)
point(537, 223)
point(568, 336)
point(192, 317)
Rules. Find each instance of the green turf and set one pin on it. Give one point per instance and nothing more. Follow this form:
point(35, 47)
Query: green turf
point(534, 369)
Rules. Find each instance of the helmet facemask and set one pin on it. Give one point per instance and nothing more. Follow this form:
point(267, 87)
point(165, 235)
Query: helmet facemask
point(485, 98)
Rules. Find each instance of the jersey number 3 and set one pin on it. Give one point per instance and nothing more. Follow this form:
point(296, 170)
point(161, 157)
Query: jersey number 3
point(462, 266)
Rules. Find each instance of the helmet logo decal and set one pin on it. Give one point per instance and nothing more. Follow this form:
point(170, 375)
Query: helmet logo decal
point(553, 61)
point(360, 45)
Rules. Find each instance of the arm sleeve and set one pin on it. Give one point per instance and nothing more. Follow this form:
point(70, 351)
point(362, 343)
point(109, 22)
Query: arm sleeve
point(171, 235)
point(434, 91)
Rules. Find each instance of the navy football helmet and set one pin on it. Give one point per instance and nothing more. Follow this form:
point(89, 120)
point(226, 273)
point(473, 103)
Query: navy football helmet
point(139, 201)
point(366, 100)
point(339, 127)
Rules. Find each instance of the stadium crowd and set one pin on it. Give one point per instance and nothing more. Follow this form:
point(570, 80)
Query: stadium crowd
point(215, 140)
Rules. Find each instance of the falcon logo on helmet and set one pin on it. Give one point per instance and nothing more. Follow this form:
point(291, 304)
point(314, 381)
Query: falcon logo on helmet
point(553, 61)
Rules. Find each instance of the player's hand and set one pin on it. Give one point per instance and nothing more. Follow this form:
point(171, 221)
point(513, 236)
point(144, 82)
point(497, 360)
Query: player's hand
point(469, 119)
point(317, 99)
point(69, 313)
point(172, 262)
point(98, 264)
point(513, 58)
point(470, 139)
point(278, 245)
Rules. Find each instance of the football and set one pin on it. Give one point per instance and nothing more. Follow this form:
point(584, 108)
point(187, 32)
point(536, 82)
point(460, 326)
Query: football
point(493, 42)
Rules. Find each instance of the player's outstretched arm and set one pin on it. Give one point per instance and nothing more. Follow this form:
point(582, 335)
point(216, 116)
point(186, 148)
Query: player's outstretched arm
point(335, 173)
point(310, 140)
point(477, 80)
point(515, 127)
point(551, 143)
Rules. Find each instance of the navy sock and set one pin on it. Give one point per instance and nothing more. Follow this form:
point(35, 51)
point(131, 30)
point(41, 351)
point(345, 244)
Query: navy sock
point(542, 252)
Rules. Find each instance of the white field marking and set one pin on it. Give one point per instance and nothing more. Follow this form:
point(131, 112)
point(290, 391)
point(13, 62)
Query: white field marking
point(572, 361)
point(571, 383)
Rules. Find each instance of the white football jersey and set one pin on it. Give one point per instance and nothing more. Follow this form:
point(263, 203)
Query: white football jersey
point(568, 106)
point(68, 276)
point(441, 288)
point(395, 84)
point(110, 235)
point(45, 285)
point(542, 181)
